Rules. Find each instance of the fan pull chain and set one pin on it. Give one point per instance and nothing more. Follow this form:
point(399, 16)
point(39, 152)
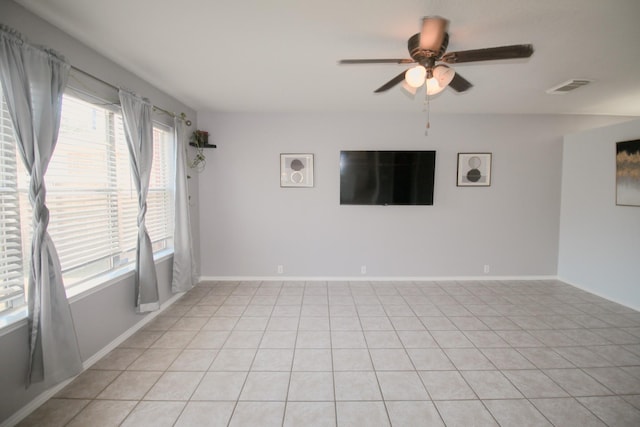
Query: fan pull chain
point(428, 108)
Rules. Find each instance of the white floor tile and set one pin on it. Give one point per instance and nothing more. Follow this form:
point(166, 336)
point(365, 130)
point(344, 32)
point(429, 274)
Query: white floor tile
point(310, 414)
point(287, 353)
point(370, 414)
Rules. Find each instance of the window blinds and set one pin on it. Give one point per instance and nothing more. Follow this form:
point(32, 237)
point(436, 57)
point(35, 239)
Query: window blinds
point(90, 195)
point(11, 257)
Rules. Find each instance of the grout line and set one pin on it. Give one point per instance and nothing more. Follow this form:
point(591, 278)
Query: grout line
point(293, 358)
point(375, 371)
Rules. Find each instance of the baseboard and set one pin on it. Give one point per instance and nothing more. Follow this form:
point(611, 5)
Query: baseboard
point(370, 278)
point(598, 294)
point(129, 332)
point(39, 400)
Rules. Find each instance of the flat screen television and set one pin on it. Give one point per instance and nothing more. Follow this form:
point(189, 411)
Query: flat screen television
point(387, 177)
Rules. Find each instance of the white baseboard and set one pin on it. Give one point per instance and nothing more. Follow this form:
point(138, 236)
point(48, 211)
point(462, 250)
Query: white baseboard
point(369, 278)
point(39, 400)
point(129, 332)
point(599, 294)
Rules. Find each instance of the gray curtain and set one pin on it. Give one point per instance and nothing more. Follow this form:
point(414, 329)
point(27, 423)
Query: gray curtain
point(33, 80)
point(184, 267)
point(139, 134)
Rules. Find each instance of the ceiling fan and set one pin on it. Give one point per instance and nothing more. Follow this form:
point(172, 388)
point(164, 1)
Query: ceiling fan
point(428, 49)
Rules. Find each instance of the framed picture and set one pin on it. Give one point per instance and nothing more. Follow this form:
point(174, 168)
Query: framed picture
point(628, 173)
point(474, 169)
point(296, 170)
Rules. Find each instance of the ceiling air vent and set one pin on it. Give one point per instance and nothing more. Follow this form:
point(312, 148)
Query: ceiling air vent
point(568, 86)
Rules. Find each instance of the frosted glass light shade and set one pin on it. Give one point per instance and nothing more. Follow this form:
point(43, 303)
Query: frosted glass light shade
point(415, 76)
point(409, 90)
point(433, 88)
point(442, 76)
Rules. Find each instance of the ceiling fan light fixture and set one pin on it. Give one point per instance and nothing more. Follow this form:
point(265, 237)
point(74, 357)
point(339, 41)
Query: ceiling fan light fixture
point(415, 76)
point(433, 87)
point(428, 48)
point(442, 76)
point(408, 90)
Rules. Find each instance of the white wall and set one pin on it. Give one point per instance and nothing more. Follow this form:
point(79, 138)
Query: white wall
point(599, 241)
point(102, 316)
point(249, 225)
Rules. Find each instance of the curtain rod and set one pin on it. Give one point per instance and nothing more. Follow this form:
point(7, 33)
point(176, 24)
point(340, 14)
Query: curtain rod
point(181, 116)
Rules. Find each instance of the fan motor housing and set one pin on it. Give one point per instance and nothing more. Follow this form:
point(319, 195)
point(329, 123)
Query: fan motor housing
point(423, 56)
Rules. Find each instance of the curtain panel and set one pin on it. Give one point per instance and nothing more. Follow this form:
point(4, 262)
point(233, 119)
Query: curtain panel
point(33, 80)
point(184, 266)
point(138, 128)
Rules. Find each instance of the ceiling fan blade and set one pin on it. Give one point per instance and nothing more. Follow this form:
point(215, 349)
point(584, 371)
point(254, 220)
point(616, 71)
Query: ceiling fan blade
point(391, 83)
point(433, 33)
point(489, 54)
point(459, 83)
point(376, 61)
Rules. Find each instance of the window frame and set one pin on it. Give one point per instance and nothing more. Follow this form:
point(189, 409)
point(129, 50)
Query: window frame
point(14, 318)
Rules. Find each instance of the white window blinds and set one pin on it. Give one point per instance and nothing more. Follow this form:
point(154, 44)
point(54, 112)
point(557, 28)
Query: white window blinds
point(11, 257)
point(91, 197)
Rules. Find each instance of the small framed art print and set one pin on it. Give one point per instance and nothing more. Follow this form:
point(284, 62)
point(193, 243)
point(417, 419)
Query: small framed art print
point(474, 170)
point(296, 170)
point(628, 173)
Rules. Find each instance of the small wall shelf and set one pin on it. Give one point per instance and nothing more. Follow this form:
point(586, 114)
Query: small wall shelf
point(200, 139)
point(206, 145)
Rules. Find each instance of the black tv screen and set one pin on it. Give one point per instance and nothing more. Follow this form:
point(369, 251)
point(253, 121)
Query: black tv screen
point(387, 177)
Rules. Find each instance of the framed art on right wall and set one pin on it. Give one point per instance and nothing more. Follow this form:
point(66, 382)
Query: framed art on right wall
point(628, 173)
point(474, 170)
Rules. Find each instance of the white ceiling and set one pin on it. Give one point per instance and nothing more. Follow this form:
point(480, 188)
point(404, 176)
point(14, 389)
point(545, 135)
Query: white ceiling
point(281, 55)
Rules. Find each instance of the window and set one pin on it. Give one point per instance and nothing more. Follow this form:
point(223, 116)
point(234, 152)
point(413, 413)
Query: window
point(91, 197)
point(11, 258)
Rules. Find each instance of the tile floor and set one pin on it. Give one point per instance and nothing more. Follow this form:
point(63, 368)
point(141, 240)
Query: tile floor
point(525, 353)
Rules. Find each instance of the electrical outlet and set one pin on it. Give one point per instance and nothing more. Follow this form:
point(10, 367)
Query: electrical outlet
point(280, 269)
point(487, 268)
point(363, 269)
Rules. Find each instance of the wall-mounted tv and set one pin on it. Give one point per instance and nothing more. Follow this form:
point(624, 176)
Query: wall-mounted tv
point(387, 177)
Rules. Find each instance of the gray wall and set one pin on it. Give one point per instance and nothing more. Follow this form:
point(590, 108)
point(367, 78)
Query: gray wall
point(102, 316)
point(599, 241)
point(252, 225)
